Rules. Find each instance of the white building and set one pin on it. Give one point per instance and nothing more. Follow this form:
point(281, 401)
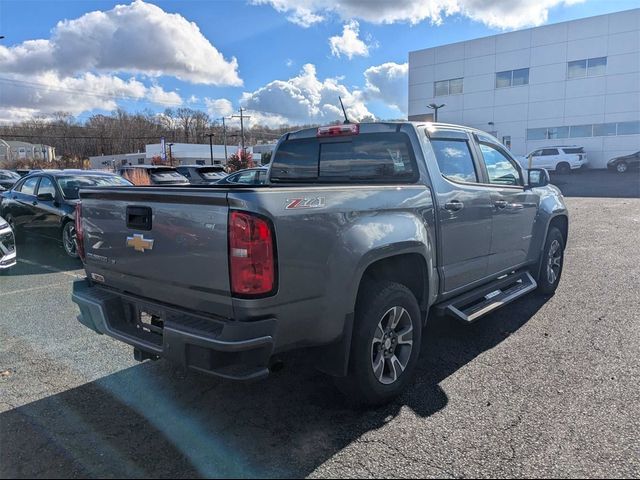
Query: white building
point(570, 83)
point(13, 150)
point(181, 153)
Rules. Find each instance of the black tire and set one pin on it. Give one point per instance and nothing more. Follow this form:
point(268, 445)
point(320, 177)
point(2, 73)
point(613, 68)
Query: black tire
point(69, 244)
point(622, 167)
point(17, 233)
point(563, 168)
point(376, 300)
point(547, 282)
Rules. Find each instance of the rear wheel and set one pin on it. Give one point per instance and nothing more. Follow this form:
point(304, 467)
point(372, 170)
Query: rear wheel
point(385, 345)
point(563, 168)
point(69, 239)
point(18, 235)
point(622, 167)
point(551, 262)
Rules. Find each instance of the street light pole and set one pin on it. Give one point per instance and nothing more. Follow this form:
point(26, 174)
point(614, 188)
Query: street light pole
point(435, 108)
point(224, 135)
point(170, 157)
point(210, 135)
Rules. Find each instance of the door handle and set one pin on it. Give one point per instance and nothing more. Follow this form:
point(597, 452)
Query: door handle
point(454, 205)
point(500, 204)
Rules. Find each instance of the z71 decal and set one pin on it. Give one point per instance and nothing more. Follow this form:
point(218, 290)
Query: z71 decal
point(313, 202)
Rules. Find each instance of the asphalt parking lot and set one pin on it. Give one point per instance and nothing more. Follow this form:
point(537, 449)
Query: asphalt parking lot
point(544, 387)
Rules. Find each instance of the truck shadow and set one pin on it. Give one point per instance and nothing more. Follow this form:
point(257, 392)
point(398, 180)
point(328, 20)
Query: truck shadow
point(153, 421)
point(38, 255)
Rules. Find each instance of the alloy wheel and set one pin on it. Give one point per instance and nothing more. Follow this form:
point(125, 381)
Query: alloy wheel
point(392, 345)
point(69, 240)
point(554, 262)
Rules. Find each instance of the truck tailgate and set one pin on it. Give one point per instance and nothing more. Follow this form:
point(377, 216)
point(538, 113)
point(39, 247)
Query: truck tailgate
point(166, 244)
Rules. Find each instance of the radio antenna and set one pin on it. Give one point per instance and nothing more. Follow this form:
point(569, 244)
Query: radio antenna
point(346, 119)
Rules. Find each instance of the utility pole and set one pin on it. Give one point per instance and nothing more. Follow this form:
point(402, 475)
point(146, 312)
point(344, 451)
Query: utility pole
point(242, 117)
point(224, 135)
point(210, 135)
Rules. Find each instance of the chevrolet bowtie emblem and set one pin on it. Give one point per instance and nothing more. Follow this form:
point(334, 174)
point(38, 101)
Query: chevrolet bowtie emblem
point(139, 243)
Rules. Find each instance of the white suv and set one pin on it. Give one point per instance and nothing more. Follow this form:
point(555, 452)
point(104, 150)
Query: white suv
point(562, 159)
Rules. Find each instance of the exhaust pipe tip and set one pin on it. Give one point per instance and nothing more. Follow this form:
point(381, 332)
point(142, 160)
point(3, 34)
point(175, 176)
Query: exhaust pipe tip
point(276, 365)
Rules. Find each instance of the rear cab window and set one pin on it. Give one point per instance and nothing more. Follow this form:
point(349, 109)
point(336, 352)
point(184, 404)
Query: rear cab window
point(379, 157)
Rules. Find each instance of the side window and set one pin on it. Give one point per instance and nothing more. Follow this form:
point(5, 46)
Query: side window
point(550, 151)
point(245, 177)
point(455, 160)
point(537, 153)
point(46, 186)
point(29, 186)
point(499, 167)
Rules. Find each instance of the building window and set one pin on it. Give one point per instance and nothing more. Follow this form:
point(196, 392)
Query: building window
point(557, 132)
point(628, 128)
point(589, 67)
point(447, 87)
point(141, 161)
point(536, 133)
point(604, 130)
point(512, 78)
point(506, 141)
point(578, 131)
point(584, 131)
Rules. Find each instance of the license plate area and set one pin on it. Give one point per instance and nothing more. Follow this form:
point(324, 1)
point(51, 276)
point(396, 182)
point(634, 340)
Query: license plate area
point(145, 322)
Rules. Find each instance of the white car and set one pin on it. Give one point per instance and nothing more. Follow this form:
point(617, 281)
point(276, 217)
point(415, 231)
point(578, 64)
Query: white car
point(7, 245)
point(562, 159)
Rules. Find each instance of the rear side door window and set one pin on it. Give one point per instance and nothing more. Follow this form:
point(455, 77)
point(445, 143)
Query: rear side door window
point(46, 186)
point(455, 160)
point(29, 186)
point(500, 168)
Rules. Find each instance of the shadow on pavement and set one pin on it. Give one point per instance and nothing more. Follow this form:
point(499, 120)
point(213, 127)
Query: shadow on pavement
point(598, 183)
point(35, 254)
point(153, 421)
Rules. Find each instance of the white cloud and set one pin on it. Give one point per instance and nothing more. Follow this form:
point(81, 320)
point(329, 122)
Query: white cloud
point(349, 43)
point(139, 38)
point(157, 95)
point(504, 14)
point(218, 107)
point(388, 83)
point(23, 97)
point(289, 62)
point(305, 99)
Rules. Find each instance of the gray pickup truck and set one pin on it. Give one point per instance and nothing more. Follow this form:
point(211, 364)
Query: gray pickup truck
point(360, 234)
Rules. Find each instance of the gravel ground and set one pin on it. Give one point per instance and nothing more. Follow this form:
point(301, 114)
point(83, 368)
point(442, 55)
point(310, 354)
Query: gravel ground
point(544, 387)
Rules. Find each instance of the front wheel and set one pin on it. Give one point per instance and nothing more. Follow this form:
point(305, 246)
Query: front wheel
point(621, 167)
point(551, 262)
point(69, 240)
point(385, 345)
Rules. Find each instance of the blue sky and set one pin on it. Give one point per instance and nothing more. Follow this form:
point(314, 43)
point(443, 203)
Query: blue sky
point(267, 44)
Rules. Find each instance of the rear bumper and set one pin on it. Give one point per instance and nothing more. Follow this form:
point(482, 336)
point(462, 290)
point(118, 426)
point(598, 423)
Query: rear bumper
point(224, 348)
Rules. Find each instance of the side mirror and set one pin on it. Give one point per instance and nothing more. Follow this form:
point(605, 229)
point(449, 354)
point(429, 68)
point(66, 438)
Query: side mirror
point(46, 197)
point(538, 177)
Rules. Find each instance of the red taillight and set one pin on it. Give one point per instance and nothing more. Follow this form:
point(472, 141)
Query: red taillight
point(338, 130)
point(79, 231)
point(251, 255)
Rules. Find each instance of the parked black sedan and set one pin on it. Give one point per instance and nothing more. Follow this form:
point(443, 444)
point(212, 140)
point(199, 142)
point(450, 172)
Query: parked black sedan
point(8, 179)
point(43, 203)
point(624, 163)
